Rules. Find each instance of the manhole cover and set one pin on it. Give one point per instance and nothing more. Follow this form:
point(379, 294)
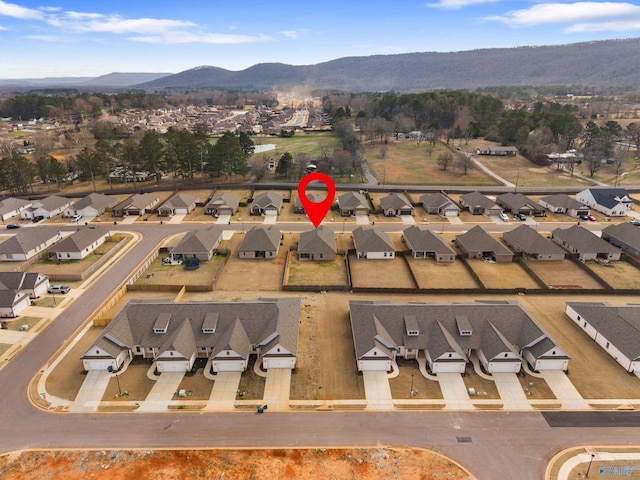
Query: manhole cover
point(463, 439)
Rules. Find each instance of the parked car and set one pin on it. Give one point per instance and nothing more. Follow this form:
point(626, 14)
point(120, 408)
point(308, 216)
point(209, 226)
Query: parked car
point(76, 218)
point(584, 217)
point(591, 218)
point(11, 226)
point(635, 222)
point(37, 219)
point(503, 217)
point(520, 216)
point(58, 289)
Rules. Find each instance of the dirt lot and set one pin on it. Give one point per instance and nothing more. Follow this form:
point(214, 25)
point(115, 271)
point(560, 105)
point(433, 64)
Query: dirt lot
point(160, 274)
point(268, 273)
point(621, 275)
point(431, 274)
point(380, 273)
point(319, 463)
point(501, 275)
point(562, 274)
point(409, 377)
point(316, 272)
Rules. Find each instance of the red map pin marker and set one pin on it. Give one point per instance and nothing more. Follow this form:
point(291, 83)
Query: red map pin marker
point(316, 210)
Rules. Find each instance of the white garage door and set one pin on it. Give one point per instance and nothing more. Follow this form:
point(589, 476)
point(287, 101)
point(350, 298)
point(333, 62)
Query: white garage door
point(99, 365)
point(235, 366)
point(173, 366)
point(504, 367)
point(555, 364)
point(278, 363)
point(375, 365)
point(448, 367)
point(271, 211)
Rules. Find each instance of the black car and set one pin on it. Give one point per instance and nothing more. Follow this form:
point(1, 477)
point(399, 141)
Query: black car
point(11, 226)
point(37, 219)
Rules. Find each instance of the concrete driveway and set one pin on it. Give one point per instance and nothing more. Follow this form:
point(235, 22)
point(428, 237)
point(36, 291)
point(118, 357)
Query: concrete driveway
point(510, 391)
point(277, 388)
point(454, 392)
point(162, 392)
point(564, 390)
point(224, 391)
point(377, 390)
point(91, 391)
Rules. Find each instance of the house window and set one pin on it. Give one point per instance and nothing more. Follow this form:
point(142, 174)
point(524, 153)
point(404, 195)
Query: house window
point(171, 354)
point(585, 324)
point(607, 345)
point(228, 353)
point(450, 355)
point(385, 254)
point(506, 355)
point(579, 317)
point(97, 352)
point(553, 353)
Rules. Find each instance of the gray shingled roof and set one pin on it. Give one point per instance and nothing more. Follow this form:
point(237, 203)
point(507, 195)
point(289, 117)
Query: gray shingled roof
point(619, 324)
point(476, 199)
point(421, 239)
point(563, 201)
point(230, 200)
point(27, 239)
point(515, 201)
point(8, 298)
point(313, 197)
point(50, 203)
point(610, 197)
point(351, 200)
point(436, 200)
point(261, 239)
point(395, 201)
point(368, 239)
point(530, 241)
point(583, 240)
point(11, 204)
point(138, 201)
point(316, 241)
point(477, 239)
point(181, 200)
point(98, 201)
point(79, 240)
point(497, 327)
point(198, 241)
point(625, 233)
point(260, 320)
point(266, 199)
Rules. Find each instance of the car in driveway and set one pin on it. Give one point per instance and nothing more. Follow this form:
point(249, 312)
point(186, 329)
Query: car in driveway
point(591, 218)
point(584, 217)
point(76, 218)
point(11, 226)
point(58, 289)
point(635, 222)
point(520, 216)
point(37, 219)
point(503, 217)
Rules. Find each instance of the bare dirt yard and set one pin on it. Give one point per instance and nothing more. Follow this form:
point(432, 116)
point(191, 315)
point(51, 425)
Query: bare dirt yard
point(319, 463)
point(380, 273)
point(502, 275)
point(620, 275)
point(562, 274)
point(332, 273)
point(176, 275)
point(431, 274)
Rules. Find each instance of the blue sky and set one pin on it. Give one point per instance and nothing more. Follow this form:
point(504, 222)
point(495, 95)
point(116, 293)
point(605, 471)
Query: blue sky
point(74, 38)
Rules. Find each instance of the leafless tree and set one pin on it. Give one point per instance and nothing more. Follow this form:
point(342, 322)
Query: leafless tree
point(464, 162)
point(445, 159)
point(383, 150)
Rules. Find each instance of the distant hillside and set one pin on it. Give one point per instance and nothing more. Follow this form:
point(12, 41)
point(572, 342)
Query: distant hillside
point(118, 79)
point(601, 63)
point(110, 80)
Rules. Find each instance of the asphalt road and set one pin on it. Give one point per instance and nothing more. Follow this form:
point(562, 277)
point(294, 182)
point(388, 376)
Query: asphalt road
point(504, 445)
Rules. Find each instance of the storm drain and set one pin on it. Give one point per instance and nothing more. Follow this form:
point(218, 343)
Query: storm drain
point(463, 439)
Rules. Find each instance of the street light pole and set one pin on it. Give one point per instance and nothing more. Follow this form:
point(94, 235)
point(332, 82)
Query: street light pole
point(118, 382)
point(589, 467)
point(411, 386)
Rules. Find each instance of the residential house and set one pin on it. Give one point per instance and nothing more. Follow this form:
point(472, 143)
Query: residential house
point(353, 203)
point(79, 244)
point(13, 302)
point(531, 244)
point(11, 207)
point(477, 243)
point(91, 206)
point(426, 244)
point(616, 328)
point(33, 284)
point(562, 203)
point(200, 244)
point(497, 151)
point(372, 244)
point(625, 236)
point(223, 204)
point(478, 204)
point(317, 244)
point(587, 245)
point(261, 242)
point(613, 202)
point(394, 205)
point(502, 334)
point(173, 335)
point(519, 203)
point(27, 243)
point(47, 207)
point(440, 204)
point(312, 197)
point(136, 205)
point(179, 204)
point(267, 203)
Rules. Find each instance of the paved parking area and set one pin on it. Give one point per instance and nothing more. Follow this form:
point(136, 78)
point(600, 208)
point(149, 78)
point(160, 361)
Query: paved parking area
point(362, 220)
point(223, 220)
point(407, 219)
point(377, 390)
point(510, 391)
point(162, 392)
point(277, 388)
point(454, 392)
point(564, 390)
point(224, 391)
point(270, 219)
point(91, 391)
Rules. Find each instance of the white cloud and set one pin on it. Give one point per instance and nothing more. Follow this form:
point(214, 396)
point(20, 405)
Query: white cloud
point(16, 11)
point(457, 4)
point(50, 9)
point(289, 33)
point(176, 37)
point(44, 38)
point(581, 16)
